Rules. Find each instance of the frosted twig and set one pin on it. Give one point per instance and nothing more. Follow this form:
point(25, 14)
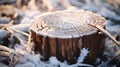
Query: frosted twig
point(19, 31)
point(22, 43)
point(2, 29)
point(49, 5)
point(4, 54)
point(106, 32)
point(5, 51)
point(6, 25)
point(3, 48)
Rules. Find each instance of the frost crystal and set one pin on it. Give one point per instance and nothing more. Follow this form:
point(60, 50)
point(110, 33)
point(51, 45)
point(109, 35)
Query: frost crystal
point(54, 61)
point(33, 60)
point(83, 54)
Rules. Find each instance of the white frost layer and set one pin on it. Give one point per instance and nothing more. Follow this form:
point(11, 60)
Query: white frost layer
point(33, 60)
point(83, 54)
point(54, 61)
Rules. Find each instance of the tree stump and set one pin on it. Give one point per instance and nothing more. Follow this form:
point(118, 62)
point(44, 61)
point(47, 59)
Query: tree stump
point(64, 33)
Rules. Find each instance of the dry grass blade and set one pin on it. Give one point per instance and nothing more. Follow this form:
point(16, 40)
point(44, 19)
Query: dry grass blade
point(106, 32)
point(19, 31)
point(5, 51)
point(4, 54)
point(3, 48)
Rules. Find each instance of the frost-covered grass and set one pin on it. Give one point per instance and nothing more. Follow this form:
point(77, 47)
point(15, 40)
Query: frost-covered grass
point(33, 60)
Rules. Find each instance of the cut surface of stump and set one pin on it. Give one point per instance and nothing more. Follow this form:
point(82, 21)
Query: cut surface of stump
point(64, 33)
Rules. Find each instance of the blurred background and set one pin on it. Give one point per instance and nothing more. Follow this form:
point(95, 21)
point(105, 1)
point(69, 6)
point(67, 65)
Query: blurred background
point(21, 11)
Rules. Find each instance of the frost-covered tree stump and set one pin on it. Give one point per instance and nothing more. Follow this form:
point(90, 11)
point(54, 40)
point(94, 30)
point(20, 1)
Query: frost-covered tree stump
point(64, 33)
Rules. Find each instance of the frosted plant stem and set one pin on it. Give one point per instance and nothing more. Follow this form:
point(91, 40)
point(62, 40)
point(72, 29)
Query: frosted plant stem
point(4, 48)
point(19, 31)
point(106, 32)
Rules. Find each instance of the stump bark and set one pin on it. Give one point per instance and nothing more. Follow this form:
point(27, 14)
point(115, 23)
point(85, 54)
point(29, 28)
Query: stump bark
point(64, 33)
